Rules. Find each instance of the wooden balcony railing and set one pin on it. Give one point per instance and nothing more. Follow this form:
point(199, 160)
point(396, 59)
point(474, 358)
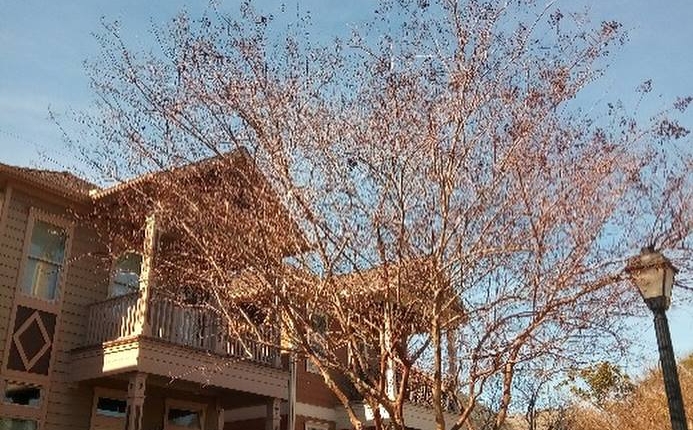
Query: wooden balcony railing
point(193, 326)
point(419, 390)
point(421, 393)
point(112, 319)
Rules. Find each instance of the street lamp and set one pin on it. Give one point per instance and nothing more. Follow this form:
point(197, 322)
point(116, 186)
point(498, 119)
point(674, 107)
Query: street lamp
point(654, 275)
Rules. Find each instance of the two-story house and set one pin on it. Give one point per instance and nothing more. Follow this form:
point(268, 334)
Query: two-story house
point(89, 344)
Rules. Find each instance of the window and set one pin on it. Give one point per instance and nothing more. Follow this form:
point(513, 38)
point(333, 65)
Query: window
point(312, 425)
point(45, 261)
point(17, 424)
point(318, 323)
point(109, 409)
point(22, 394)
point(114, 408)
point(126, 275)
point(184, 415)
point(184, 418)
point(311, 367)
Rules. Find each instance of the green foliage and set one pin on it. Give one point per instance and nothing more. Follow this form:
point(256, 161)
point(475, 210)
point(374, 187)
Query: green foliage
point(600, 383)
point(644, 408)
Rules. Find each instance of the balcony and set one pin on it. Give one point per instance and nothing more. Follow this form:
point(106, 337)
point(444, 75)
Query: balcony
point(163, 337)
point(421, 393)
point(190, 326)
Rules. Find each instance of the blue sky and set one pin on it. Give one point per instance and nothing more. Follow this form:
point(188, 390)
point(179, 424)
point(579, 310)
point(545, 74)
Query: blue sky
point(43, 45)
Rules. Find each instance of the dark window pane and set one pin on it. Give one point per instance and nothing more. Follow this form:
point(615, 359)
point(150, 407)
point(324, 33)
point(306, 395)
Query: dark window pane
point(45, 260)
point(47, 242)
point(184, 418)
point(17, 424)
point(111, 407)
point(126, 276)
point(41, 279)
point(318, 323)
point(25, 395)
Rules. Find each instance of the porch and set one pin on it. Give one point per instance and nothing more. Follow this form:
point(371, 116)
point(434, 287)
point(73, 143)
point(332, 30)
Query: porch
point(158, 336)
point(137, 400)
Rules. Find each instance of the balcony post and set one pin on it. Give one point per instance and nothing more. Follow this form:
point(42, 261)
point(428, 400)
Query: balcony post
point(220, 415)
point(146, 276)
point(273, 416)
point(390, 376)
point(135, 401)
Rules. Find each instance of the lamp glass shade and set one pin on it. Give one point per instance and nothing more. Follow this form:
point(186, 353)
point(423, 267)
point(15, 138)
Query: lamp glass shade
point(653, 274)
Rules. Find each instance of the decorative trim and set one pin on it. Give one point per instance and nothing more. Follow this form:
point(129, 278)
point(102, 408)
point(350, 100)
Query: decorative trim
point(43, 324)
point(134, 406)
point(47, 341)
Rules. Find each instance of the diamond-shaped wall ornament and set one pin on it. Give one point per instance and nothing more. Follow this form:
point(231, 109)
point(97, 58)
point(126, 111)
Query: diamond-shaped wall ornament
point(25, 335)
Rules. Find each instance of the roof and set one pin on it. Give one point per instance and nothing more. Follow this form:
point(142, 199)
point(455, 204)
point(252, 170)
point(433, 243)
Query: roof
point(411, 276)
point(69, 185)
point(59, 182)
point(238, 155)
point(406, 283)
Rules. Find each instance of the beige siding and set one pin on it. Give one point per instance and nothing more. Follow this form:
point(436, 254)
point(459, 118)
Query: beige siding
point(11, 244)
point(70, 404)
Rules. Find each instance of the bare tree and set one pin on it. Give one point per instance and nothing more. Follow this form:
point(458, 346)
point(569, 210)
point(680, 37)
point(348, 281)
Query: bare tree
point(425, 201)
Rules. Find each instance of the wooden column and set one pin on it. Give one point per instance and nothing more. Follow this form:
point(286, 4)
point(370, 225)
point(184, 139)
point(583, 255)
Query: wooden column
point(390, 374)
point(146, 276)
point(273, 414)
point(135, 401)
point(291, 415)
point(220, 416)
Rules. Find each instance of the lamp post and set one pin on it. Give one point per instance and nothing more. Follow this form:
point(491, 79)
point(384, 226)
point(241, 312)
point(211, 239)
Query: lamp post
point(654, 276)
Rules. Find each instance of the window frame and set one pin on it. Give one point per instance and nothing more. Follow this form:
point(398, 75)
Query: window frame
point(185, 405)
point(42, 393)
point(57, 265)
point(104, 420)
point(114, 266)
point(23, 412)
point(9, 417)
point(311, 367)
point(36, 302)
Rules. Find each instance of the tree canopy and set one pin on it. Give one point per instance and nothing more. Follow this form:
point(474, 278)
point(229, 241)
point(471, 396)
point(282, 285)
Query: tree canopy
point(452, 211)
